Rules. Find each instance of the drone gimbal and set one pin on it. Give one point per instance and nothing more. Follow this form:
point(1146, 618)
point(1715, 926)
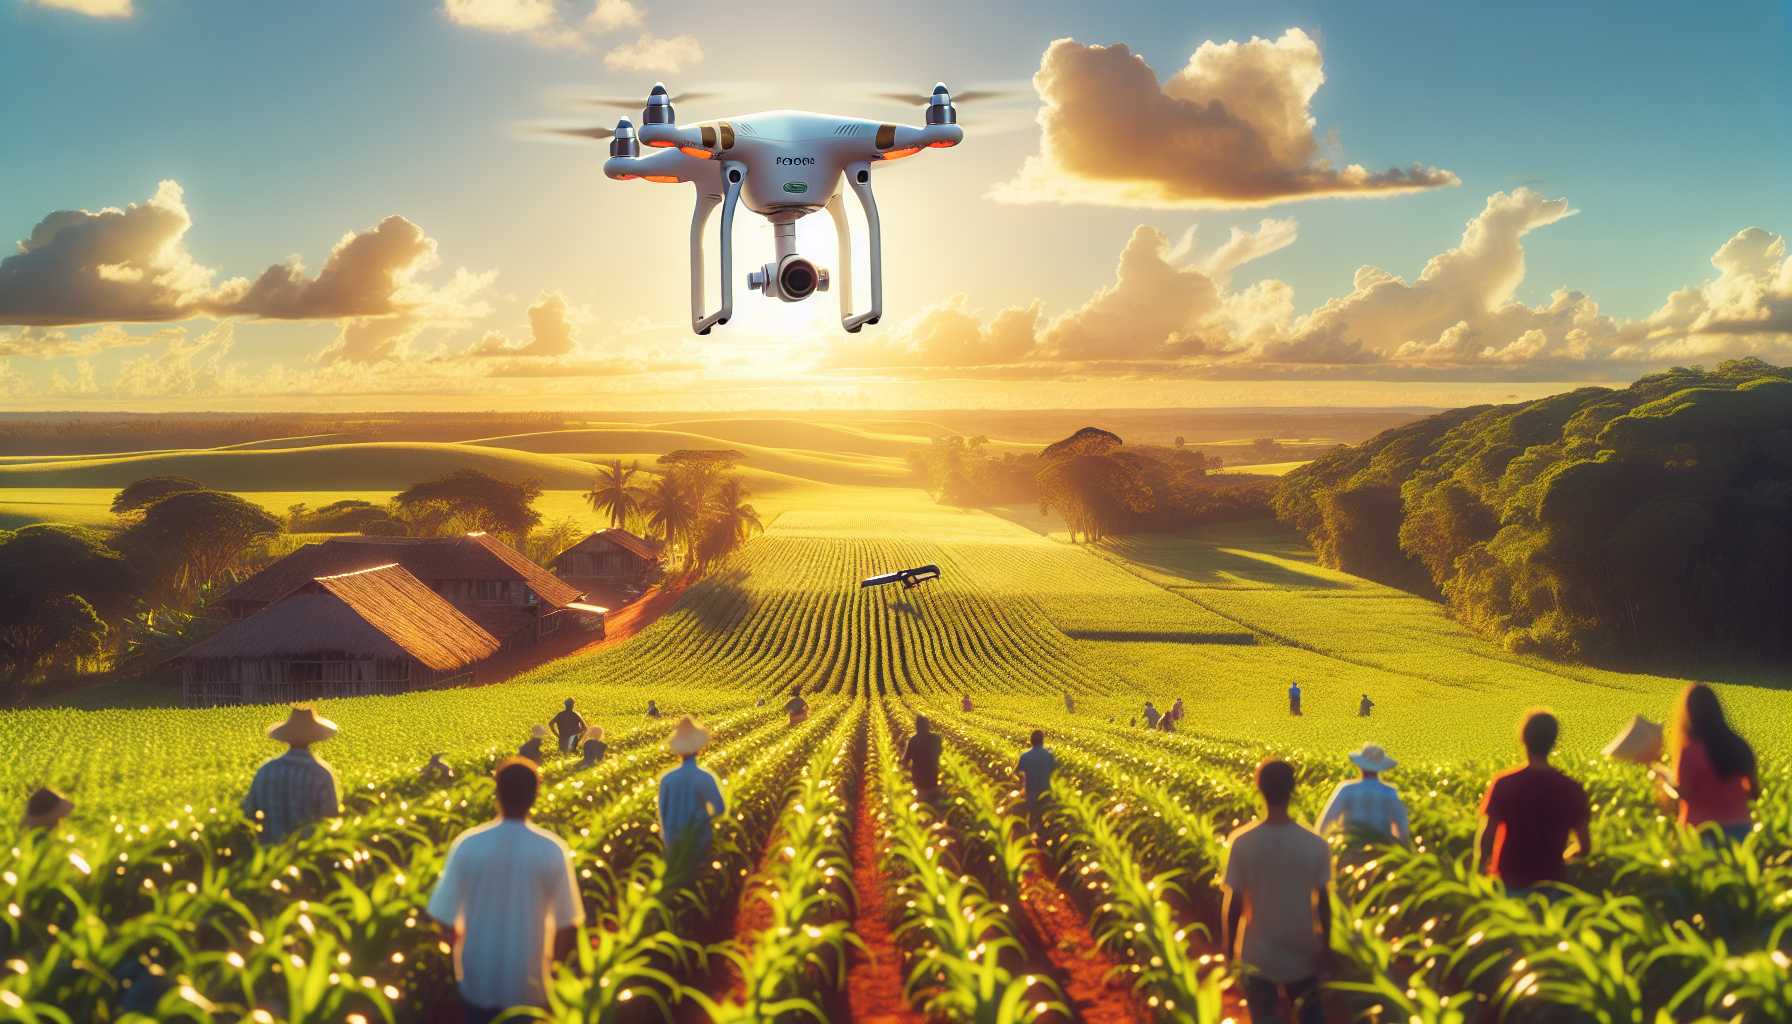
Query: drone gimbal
point(788, 164)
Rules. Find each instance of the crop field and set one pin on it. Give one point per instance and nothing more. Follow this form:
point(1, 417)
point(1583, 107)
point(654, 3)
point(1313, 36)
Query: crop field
point(834, 894)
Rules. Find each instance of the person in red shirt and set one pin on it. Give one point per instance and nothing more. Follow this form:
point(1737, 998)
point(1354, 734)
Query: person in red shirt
point(1714, 774)
point(1529, 814)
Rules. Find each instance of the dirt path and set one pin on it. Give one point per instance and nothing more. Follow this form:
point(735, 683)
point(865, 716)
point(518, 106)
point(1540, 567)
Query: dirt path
point(632, 618)
point(1096, 993)
point(873, 982)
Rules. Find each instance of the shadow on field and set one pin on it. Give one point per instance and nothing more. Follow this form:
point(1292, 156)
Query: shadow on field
point(719, 601)
point(1201, 564)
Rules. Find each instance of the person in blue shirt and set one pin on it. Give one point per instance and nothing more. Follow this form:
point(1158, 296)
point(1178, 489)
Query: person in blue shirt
point(689, 801)
point(1294, 698)
point(1035, 768)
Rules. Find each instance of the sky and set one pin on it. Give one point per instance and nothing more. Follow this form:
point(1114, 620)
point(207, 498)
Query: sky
point(352, 205)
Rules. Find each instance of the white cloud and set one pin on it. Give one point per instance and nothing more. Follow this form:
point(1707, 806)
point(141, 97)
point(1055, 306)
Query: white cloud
point(610, 15)
point(91, 8)
point(551, 332)
point(501, 15)
point(1234, 127)
point(183, 367)
point(654, 53)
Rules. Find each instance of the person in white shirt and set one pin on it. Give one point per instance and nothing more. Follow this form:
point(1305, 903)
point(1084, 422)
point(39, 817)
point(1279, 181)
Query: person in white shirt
point(1278, 910)
point(1367, 805)
point(506, 888)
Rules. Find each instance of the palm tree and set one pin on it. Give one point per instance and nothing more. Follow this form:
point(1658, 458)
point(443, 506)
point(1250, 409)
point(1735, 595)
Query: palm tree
point(728, 521)
point(615, 493)
point(674, 510)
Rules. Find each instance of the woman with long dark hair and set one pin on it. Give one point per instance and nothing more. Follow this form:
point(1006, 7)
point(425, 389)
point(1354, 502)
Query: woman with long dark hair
point(1714, 768)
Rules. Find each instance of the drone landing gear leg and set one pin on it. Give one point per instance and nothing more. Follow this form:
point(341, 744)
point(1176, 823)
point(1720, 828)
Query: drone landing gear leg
point(706, 204)
point(859, 176)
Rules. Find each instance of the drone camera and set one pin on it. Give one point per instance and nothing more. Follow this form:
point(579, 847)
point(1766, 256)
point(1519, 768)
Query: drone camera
point(793, 279)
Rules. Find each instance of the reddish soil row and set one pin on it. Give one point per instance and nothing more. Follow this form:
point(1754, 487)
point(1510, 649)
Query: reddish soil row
point(1096, 992)
point(874, 992)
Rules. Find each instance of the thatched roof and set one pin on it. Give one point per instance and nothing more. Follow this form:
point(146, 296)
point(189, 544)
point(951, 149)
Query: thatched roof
point(431, 559)
point(378, 612)
point(640, 547)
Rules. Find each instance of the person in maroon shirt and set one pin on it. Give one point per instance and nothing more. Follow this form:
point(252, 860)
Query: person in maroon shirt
point(1529, 814)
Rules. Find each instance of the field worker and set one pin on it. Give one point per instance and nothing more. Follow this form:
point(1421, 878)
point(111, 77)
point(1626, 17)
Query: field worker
point(1167, 723)
point(1278, 920)
point(45, 809)
point(506, 887)
point(436, 771)
point(797, 708)
point(569, 728)
point(1069, 703)
point(1176, 710)
point(653, 710)
point(594, 746)
point(1035, 767)
point(1151, 715)
point(531, 747)
point(297, 788)
point(965, 704)
point(921, 755)
point(1294, 698)
point(1367, 805)
point(689, 800)
point(1715, 773)
point(1529, 814)
point(1363, 709)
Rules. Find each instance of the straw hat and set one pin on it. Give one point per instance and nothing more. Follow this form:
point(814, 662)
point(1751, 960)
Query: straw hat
point(44, 808)
point(302, 727)
point(538, 732)
point(1640, 742)
point(687, 737)
point(1371, 758)
point(595, 732)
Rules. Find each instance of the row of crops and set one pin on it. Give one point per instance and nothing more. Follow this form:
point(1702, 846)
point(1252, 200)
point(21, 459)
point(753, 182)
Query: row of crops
point(187, 918)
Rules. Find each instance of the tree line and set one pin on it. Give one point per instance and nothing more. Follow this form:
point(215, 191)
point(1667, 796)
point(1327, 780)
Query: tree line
point(695, 506)
point(1645, 525)
point(1094, 481)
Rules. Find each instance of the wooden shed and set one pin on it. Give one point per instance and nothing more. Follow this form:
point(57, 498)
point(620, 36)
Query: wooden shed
point(610, 559)
point(377, 630)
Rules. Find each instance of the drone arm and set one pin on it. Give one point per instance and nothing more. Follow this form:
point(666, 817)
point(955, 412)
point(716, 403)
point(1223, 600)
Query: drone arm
point(859, 176)
point(843, 231)
point(934, 136)
point(733, 175)
point(670, 136)
point(663, 165)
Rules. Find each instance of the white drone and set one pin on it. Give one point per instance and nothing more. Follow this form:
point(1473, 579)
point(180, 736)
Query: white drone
point(789, 164)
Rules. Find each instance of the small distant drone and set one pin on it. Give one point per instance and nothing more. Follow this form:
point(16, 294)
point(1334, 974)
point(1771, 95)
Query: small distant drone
point(909, 578)
point(789, 164)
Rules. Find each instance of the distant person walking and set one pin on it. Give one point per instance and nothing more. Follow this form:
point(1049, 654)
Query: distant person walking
point(594, 748)
point(1529, 814)
point(1176, 710)
point(1069, 703)
point(1151, 715)
point(296, 789)
point(1294, 698)
point(921, 755)
point(531, 747)
point(506, 887)
point(653, 710)
point(569, 728)
point(797, 708)
point(964, 704)
point(1363, 709)
point(1367, 806)
point(436, 771)
point(1277, 914)
point(45, 809)
point(1715, 772)
point(1035, 767)
point(689, 801)
point(1167, 723)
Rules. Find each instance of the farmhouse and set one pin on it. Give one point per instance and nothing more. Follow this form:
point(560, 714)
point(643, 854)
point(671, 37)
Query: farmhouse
point(375, 630)
point(609, 559)
point(489, 581)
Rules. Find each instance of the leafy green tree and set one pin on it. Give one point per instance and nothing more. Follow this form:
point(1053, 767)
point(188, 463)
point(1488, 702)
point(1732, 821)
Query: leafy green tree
point(673, 505)
point(189, 540)
point(140, 494)
point(615, 493)
point(468, 499)
point(59, 582)
point(728, 522)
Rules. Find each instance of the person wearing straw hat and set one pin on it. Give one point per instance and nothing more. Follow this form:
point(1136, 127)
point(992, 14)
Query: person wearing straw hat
point(594, 747)
point(45, 809)
point(689, 800)
point(506, 887)
point(531, 747)
point(1367, 805)
point(296, 789)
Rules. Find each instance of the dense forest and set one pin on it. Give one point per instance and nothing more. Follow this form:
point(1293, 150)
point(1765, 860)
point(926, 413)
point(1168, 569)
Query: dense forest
point(1651, 524)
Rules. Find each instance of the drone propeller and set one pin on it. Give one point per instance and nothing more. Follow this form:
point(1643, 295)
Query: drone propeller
point(921, 99)
point(583, 133)
point(635, 104)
